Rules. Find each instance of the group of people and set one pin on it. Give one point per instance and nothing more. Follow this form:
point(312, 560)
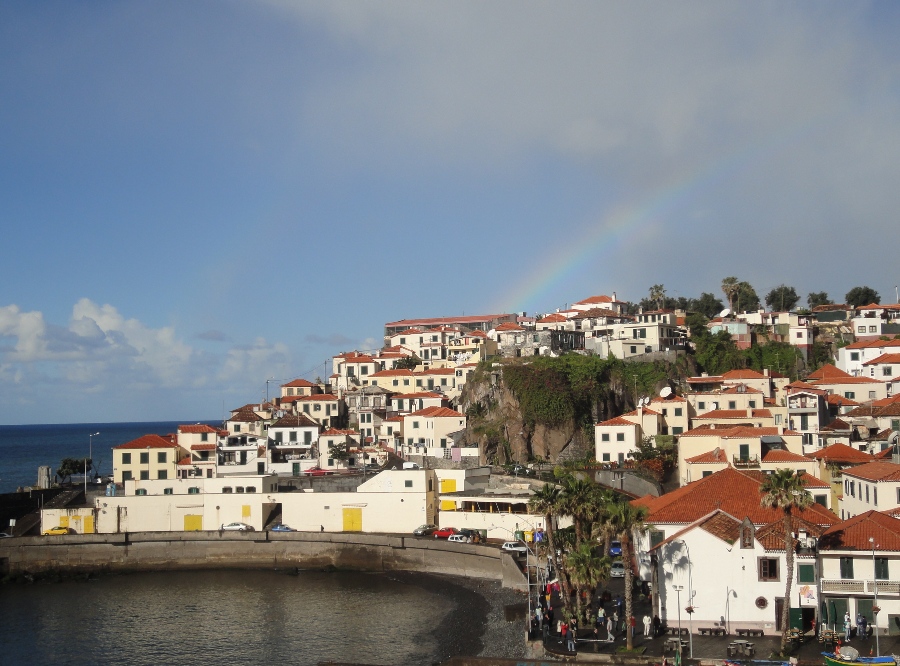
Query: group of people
point(862, 628)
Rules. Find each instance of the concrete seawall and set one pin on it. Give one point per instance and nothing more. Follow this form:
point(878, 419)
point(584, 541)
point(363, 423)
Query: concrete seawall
point(156, 551)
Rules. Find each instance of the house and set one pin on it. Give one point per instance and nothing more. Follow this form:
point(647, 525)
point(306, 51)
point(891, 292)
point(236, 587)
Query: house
point(740, 397)
point(749, 563)
point(299, 387)
point(464, 323)
point(201, 441)
point(326, 409)
point(873, 321)
point(835, 381)
point(742, 446)
point(334, 439)
point(852, 358)
point(615, 439)
point(427, 431)
point(147, 457)
point(398, 380)
point(602, 301)
point(832, 461)
point(292, 445)
point(406, 403)
point(871, 486)
point(858, 558)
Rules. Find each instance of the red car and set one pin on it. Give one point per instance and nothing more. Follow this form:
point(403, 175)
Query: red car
point(444, 532)
point(317, 471)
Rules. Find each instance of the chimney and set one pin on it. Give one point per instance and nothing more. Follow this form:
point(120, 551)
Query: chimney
point(614, 296)
point(781, 429)
point(749, 413)
point(765, 372)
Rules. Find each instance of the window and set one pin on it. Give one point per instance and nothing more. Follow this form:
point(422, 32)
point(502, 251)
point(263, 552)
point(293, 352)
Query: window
point(126, 476)
point(806, 573)
point(237, 427)
point(443, 443)
point(204, 436)
point(126, 458)
point(604, 437)
point(850, 394)
point(633, 349)
point(145, 475)
point(871, 395)
point(418, 382)
point(747, 536)
point(406, 382)
point(364, 370)
point(162, 474)
point(701, 405)
point(161, 457)
point(415, 425)
point(846, 568)
point(706, 473)
point(251, 489)
point(140, 491)
point(402, 341)
point(821, 500)
point(873, 329)
point(881, 568)
point(605, 457)
point(193, 490)
point(167, 491)
point(752, 404)
point(239, 489)
point(145, 458)
point(778, 419)
point(620, 436)
point(292, 435)
point(677, 430)
point(732, 404)
point(317, 408)
point(331, 462)
point(886, 371)
point(656, 538)
point(678, 411)
point(768, 569)
point(396, 382)
point(227, 490)
point(799, 334)
point(407, 483)
point(860, 329)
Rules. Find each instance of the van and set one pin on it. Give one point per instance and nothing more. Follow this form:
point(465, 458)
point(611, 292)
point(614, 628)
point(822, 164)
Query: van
point(411, 465)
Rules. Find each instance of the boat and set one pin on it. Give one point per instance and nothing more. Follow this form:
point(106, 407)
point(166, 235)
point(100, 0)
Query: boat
point(849, 656)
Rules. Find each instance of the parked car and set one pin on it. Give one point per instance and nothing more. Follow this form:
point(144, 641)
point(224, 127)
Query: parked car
point(444, 532)
point(459, 538)
point(237, 527)
point(281, 528)
point(514, 547)
point(56, 531)
point(424, 530)
point(617, 570)
point(615, 548)
point(318, 471)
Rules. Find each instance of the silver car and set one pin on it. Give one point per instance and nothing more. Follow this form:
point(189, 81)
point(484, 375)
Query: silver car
point(237, 527)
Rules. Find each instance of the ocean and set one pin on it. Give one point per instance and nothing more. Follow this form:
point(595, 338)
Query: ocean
point(24, 448)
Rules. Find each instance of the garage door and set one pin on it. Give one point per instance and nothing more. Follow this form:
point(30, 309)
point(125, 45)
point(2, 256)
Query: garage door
point(193, 523)
point(352, 519)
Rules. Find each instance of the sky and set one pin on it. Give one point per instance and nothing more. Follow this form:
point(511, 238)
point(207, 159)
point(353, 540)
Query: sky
point(202, 200)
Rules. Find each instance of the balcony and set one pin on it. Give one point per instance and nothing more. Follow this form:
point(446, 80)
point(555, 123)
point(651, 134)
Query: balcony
point(745, 462)
point(852, 586)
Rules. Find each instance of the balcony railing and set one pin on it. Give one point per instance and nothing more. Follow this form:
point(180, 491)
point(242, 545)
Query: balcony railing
point(746, 461)
point(861, 586)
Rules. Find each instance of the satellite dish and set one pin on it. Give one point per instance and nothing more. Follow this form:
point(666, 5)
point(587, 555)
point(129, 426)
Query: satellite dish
point(665, 392)
point(724, 313)
point(492, 334)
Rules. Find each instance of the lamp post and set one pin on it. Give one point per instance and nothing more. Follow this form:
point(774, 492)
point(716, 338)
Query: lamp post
point(678, 589)
point(875, 608)
point(690, 601)
point(91, 458)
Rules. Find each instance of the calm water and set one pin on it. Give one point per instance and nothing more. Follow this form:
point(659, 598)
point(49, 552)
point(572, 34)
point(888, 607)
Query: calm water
point(230, 617)
point(24, 448)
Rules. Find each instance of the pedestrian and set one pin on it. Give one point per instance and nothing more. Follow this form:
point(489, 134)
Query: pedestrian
point(538, 613)
point(563, 631)
point(657, 626)
point(631, 625)
point(863, 626)
point(321, 528)
point(665, 661)
point(847, 627)
point(812, 627)
point(647, 622)
point(610, 629)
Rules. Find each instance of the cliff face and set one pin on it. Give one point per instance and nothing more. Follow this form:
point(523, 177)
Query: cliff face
point(498, 424)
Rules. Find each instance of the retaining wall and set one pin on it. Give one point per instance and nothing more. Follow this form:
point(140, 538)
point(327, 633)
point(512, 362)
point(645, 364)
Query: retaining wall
point(154, 551)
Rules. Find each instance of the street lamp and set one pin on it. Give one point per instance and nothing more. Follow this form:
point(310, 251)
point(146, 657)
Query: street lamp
point(875, 608)
point(678, 589)
point(91, 458)
point(690, 601)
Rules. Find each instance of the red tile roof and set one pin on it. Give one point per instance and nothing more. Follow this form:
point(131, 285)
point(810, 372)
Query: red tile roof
point(740, 388)
point(732, 375)
point(295, 421)
point(884, 358)
point(552, 319)
point(302, 383)
point(184, 461)
point(148, 442)
point(245, 416)
point(830, 381)
point(828, 371)
point(736, 492)
point(782, 455)
point(203, 447)
point(508, 326)
point(877, 470)
point(392, 373)
point(735, 414)
point(617, 421)
point(592, 300)
point(322, 397)
point(841, 453)
point(854, 533)
point(840, 401)
point(424, 395)
point(717, 455)
point(437, 412)
point(734, 432)
point(198, 428)
point(867, 344)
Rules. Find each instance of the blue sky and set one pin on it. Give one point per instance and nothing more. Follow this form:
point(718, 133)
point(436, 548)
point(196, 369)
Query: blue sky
point(196, 197)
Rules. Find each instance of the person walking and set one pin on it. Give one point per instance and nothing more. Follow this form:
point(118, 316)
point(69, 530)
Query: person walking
point(563, 632)
point(573, 632)
point(631, 625)
point(862, 625)
point(647, 625)
point(847, 627)
point(657, 626)
point(610, 629)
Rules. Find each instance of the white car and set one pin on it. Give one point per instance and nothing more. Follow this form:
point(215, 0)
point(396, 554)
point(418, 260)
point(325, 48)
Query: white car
point(459, 538)
point(514, 547)
point(237, 527)
point(617, 570)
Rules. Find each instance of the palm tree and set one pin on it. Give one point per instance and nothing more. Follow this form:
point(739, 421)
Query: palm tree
point(579, 500)
point(626, 519)
point(547, 501)
point(658, 294)
point(785, 490)
point(586, 570)
point(730, 287)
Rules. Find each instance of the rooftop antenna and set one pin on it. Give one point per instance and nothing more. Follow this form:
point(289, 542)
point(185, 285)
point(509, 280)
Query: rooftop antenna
point(665, 392)
point(724, 313)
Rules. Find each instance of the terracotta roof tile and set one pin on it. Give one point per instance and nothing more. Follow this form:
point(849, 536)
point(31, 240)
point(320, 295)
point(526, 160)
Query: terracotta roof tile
point(508, 326)
point(198, 428)
point(877, 470)
point(148, 442)
point(437, 412)
point(294, 421)
point(828, 371)
point(203, 447)
point(746, 373)
point(321, 397)
point(854, 533)
point(717, 455)
point(841, 453)
point(735, 414)
point(301, 383)
point(884, 358)
point(782, 455)
point(617, 421)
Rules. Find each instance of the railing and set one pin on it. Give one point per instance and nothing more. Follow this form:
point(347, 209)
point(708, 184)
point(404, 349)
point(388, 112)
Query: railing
point(843, 586)
point(884, 586)
point(749, 461)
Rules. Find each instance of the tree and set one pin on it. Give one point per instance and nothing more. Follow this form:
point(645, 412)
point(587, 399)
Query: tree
point(730, 288)
point(586, 569)
point(784, 490)
point(408, 363)
point(546, 501)
point(745, 298)
point(627, 519)
point(658, 294)
point(69, 466)
point(707, 305)
point(859, 296)
point(338, 451)
point(782, 298)
point(816, 298)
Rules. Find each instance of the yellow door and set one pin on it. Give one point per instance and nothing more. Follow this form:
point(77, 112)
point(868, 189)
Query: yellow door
point(245, 511)
point(63, 521)
point(352, 519)
point(88, 524)
point(448, 485)
point(193, 523)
